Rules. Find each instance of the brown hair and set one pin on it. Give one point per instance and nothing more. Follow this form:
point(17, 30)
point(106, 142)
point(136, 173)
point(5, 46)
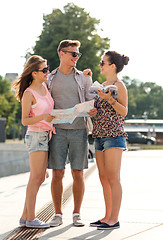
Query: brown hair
point(67, 43)
point(117, 59)
point(26, 78)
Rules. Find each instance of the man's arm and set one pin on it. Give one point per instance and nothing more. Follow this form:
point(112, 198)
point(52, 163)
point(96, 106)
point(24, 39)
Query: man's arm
point(87, 83)
point(88, 96)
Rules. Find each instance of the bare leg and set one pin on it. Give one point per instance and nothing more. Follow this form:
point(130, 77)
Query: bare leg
point(78, 189)
point(57, 189)
point(105, 185)
point(38, 165)
point(112, 166)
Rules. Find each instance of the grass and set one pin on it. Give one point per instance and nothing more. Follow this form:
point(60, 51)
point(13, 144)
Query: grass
point(152, 147)
point(144, 147)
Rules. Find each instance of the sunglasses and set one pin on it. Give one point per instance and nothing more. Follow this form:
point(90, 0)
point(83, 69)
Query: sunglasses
point(74, 54)
point(44, 70)
point(102, 63)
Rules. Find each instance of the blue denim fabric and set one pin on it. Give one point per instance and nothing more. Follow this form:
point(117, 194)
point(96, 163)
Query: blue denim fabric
point(102, 144)
point(37, 141)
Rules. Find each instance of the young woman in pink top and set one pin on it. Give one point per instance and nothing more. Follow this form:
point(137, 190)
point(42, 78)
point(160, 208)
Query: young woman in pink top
point(37, 104)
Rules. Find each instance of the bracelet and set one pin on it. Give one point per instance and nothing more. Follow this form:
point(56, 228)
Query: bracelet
point(113, 102)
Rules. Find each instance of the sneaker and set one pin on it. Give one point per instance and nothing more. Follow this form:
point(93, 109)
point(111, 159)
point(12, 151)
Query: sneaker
point(77, 221)
point(96, 224)
point(22, 222)
point(105, 226)
point(36, 223)
point(56, 221)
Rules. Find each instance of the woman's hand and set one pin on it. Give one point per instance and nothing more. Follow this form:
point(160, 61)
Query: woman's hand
point(48, 117)
point(103, 95)
point(107, 96)
point(121, 105)
point(93, 112)
point(87, 72)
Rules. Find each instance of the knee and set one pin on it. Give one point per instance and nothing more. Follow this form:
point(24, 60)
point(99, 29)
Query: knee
point(113, 179)
point(58, 175)
point(37, 180)
point(77, 175)
point(103, 178)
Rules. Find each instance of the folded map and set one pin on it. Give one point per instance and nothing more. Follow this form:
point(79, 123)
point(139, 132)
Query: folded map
point(68, 115)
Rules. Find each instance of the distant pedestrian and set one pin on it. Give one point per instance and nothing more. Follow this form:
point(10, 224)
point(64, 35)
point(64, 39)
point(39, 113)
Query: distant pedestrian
point(110, 137)
point(37, 104)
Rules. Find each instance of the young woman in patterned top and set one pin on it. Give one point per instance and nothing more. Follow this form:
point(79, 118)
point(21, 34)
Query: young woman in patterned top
point(110, 137)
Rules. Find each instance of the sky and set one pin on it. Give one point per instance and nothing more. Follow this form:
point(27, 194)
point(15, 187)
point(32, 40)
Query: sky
point(133, 26)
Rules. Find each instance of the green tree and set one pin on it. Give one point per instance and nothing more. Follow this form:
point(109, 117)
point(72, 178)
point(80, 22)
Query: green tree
point(73, 23)
point(9, 106)
point(144, 99)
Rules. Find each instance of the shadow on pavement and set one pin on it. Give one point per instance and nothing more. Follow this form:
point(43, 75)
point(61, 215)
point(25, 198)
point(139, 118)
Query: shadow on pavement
point(57, 231)
point(94, 235)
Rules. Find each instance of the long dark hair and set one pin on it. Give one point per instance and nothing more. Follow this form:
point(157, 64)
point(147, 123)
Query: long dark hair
point(117, 59)
point(26, 78)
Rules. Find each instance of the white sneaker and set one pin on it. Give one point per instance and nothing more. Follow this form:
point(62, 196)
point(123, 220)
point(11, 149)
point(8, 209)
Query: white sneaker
point(77, 221)
point(56, 221)
point(22, 222)
point(36, 223)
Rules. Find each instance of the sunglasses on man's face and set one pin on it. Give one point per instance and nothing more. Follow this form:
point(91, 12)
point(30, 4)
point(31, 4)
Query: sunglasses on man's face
point(102, 63)
point(44, 70)
point(74, 54)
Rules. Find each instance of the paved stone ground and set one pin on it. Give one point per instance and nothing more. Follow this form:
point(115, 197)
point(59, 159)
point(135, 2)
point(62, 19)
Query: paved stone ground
point(141, 215)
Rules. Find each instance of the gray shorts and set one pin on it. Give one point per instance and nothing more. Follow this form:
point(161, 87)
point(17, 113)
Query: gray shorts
point(71, 143)
point(37, 141)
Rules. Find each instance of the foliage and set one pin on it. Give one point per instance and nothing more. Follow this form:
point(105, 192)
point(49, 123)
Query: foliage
point(9, 107)
point(73, 23)
point(144, 99)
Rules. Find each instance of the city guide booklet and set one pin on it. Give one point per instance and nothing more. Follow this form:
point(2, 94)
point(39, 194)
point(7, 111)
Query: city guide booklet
point(68, 115)
point(97, 86)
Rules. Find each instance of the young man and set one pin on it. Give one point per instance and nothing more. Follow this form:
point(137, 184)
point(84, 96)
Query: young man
point(69, 87)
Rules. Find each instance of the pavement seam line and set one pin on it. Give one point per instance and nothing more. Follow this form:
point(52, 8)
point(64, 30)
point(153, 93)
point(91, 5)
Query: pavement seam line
point(142, 231)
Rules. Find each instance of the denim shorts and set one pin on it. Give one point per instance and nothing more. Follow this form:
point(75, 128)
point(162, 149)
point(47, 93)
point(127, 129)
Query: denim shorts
point(68, 145)
point(102, 144)
point(37, 141)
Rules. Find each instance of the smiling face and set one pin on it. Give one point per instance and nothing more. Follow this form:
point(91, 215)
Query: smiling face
point(106, 66)
point(67, 58)
point(42, 73)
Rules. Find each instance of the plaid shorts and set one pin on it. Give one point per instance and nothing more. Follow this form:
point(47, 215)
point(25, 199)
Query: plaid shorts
point(71, 145)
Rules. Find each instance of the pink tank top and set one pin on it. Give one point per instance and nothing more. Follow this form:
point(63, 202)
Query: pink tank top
point(44, 105)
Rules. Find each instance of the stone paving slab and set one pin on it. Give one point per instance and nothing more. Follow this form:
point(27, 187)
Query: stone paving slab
point(141, 215)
